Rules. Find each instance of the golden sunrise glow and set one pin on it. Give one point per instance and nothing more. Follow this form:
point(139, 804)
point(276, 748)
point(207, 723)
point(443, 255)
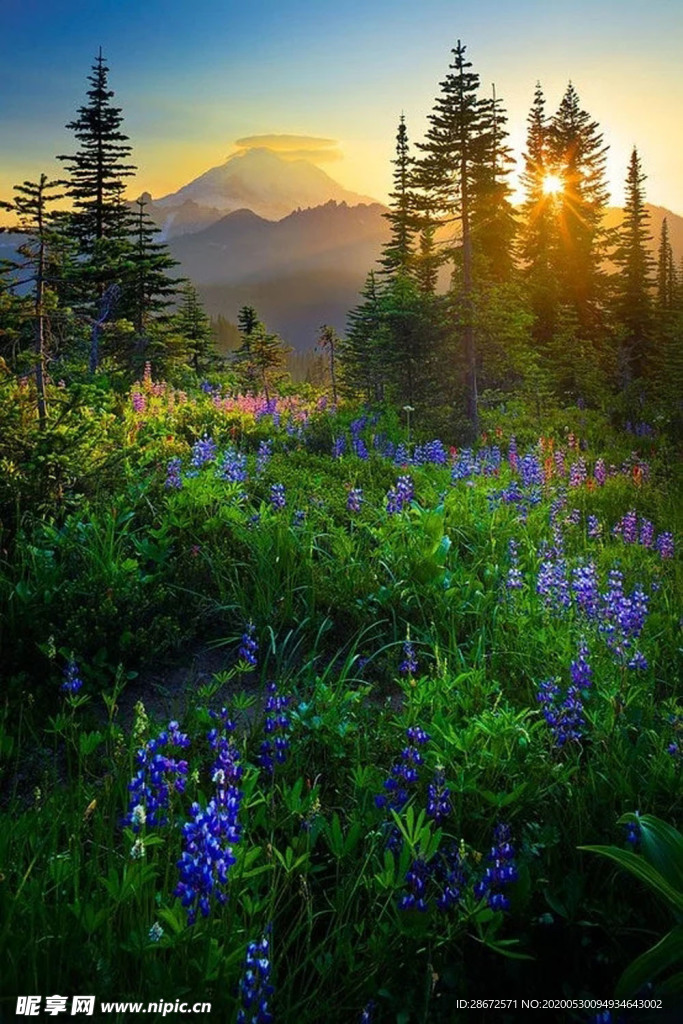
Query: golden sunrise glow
point(552, 184)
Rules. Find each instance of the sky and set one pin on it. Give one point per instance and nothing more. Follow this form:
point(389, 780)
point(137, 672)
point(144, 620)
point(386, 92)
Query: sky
point(194, 77)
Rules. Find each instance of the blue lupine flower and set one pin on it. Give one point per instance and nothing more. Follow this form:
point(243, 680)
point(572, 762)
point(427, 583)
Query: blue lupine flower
point(580, 671)
point(586, 589)
point(72, 680)
point(355, 499)
point(409, 665)
point(203, 451)
point(255, 988)
point(438, 798)
point(263, 455)
point(158, 776)
point(277, 726)
point(368, 1013)
point(360, 448)
point(417, 878)
point(248, 648)
point(665, 545)
point(277, 496)
point(338, 447)
point(210, 834)
point(233, 468)
point(514, 579)
point(565, 718)
point(173, 477)
point(299, 517)
point(450, 877)
point(501, 873)
point(404, 772)
point(594, 527)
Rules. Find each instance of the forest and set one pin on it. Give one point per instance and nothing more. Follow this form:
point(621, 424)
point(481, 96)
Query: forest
point(348, 694)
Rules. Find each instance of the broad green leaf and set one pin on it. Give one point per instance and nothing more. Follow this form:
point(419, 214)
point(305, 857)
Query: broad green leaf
point(666, 954)
point(639, 867)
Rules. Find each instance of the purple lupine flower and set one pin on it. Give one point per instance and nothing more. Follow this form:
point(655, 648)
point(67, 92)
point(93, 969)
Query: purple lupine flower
point(409, 665)
point(600, 472)
point(627, 527)
point(501, 872)
point(632, 829)
point(139, 401)
point(560, 465)
point(574, 517)
point(248, 648)
point(354, 500)
point(565, 718)
point(594, 527)
point(438, 798)
point(203, 451)
point(360, 448)
point(578, 473)
point(450, 877)
point(72, 680)
point(157, 778)
point(173, 478)
point(580, 671)
point(464, 466)
point(263, 455)
point(665, 545)
point(513, 457)
point(404, 771)
point(277, 496)
point(211, 832)
point(368, 1013)
point(646, 533)
point(531, 471)
point(255, 988)
point(276, 728)
point(586, 589)
point(233, 468)
point(402, 456)
point(417, 877)
point(338, 447)
point(299, 517)
point(514, 579)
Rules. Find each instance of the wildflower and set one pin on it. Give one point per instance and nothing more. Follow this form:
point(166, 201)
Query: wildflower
point(248, 648)
point(210, 834)
point(277, 724)
point(138, 850)
point(263, 455)
point(438, 798)
point(139, 401)
point(417, 877)
point(501, 873)
point(514, 579)
point(233, 468)
point(409, 665)
point(530, 470)
point(255, 988)
point(600, 472)
point(627, 527)
point(632, 829)
point(72, 681)
point(367, 1013)
point(338, 447)
point(203, 451)
point(299, 517)
point(512, 453)
point(594, 527)
point(277, 496)
point(560, 465)
point(580, 671)
point(360, 448)
point(565, 718)
point(404, 771)
point(577, 473)
point(646, 535)
point(157, 778)
point(665, 545)
point(173, 478)
point(155, 932)
point(354, 500)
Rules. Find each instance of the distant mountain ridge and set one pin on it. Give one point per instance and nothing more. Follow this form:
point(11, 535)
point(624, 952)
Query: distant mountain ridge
point(257, 179)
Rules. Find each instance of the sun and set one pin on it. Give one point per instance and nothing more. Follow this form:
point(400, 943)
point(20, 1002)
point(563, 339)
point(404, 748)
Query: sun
point(552, 184)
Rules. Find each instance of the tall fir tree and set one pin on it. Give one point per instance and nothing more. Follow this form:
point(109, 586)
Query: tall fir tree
point(262, 357)
point(363, 350)
point(494, 226)
point(578, 156)
point(634, 282)
point(449, 175)
point(38, 265)
point(538, 240)
point(666, 271)
point(194, 326)
point(397, 254)
point(148, 289)
point(100, 221)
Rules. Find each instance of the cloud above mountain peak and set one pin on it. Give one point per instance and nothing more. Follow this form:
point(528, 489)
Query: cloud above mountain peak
point(294, 147)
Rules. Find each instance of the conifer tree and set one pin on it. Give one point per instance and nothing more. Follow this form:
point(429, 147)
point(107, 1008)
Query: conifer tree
point(364, 349)
point(666, 271)
point(578, 156)
point(262, 356)
point(397, 256)
point(40, 261)
point(450, 175)
point(148, 288)
point(100, 221)
point(194, 326)
point(494, 226)
point(633, 300)
point(539, 232)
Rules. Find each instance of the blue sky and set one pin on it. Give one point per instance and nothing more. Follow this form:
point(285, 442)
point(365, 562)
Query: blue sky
point(193, 77)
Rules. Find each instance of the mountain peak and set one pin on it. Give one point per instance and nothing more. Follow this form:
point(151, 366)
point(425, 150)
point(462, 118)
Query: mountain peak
point(261, 180)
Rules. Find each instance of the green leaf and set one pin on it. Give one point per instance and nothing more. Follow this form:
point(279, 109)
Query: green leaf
point(639, 867)
point(667, 953)
point(662, 846)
